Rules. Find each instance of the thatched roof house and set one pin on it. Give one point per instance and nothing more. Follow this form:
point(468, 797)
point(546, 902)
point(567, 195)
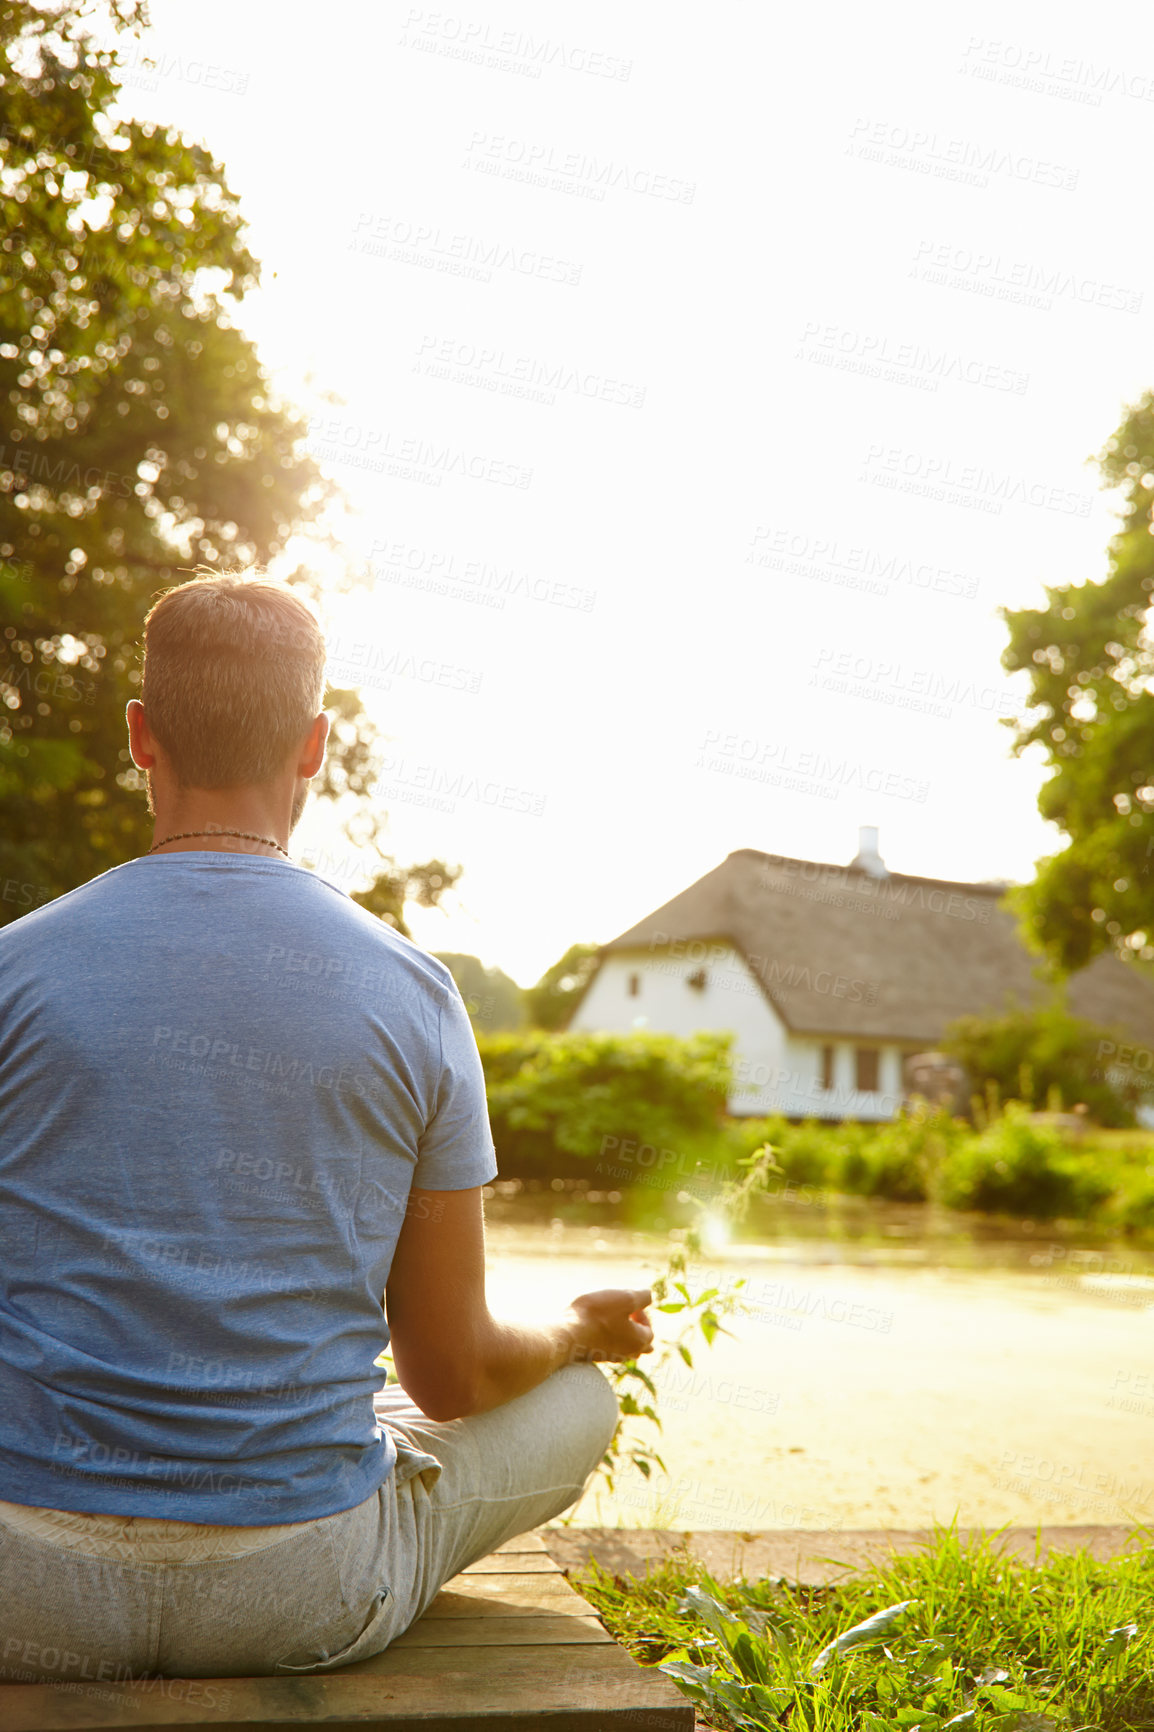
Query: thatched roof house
point(831, 976)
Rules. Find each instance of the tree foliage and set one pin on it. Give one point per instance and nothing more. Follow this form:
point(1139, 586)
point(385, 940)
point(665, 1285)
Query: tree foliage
point(492, 998)
point(1091, 664)
point(628, 1101)
point(140, 437)
point(552, 1001)
point(1042, 1056)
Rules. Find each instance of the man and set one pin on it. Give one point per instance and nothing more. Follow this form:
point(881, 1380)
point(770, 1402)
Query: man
point(244, 1140)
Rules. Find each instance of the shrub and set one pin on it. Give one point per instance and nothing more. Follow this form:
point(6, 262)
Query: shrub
point(905, 1157)
point(802, 1150)
point(1040, 1056)
point(1020, 1168)
point(897, 1160)
point(561, 1102)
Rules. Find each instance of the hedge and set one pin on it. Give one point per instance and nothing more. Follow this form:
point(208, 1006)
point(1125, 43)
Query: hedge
point(561, 1103)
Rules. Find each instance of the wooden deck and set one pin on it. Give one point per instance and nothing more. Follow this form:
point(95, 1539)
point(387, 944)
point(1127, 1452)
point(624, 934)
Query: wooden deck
point(506, 1646)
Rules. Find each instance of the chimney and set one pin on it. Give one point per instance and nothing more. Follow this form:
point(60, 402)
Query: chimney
point(867, 858)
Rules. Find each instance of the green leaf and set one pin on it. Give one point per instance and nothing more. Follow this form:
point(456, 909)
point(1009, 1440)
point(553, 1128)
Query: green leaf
point(1117, 1641)
point(695, 1681)
point(750, 1657)
point(873, 1629)
point(1002, 1698)
point(685, 1353)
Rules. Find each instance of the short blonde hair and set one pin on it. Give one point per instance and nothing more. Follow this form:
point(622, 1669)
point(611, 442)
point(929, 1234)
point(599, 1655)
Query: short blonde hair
point(234, 676)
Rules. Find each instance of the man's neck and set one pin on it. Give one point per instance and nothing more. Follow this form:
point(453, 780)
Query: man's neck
point(249, 828)
point(217, 839)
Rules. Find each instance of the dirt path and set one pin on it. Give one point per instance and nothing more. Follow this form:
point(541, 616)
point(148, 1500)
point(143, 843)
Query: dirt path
point(871, 1398)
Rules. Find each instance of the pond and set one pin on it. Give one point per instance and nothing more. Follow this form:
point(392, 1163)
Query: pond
point(890, 1365)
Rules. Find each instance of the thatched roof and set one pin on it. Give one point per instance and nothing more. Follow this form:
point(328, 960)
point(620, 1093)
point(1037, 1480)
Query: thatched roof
point(840, 952)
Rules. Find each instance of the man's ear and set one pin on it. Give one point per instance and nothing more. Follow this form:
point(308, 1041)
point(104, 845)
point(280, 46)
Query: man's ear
point(313, 751)
point(140, 741)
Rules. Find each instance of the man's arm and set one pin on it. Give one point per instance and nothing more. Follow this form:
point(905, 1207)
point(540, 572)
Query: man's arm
point(453, 1358)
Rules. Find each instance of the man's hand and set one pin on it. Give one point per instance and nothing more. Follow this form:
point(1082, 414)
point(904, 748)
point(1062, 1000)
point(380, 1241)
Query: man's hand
point(610, 1324)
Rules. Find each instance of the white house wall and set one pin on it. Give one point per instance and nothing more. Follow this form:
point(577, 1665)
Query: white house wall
point(774, 1070)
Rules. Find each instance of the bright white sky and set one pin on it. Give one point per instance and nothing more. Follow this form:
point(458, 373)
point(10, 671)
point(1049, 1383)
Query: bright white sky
point(861, 290)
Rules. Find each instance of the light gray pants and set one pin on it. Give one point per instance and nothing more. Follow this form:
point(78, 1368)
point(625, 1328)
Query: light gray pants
point(332, 1591)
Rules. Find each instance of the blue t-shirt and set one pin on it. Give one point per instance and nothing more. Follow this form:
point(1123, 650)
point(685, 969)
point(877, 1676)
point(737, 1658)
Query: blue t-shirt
point(219, 1078)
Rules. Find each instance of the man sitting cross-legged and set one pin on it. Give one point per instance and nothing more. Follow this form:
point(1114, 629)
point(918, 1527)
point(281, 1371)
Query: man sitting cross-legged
point(244, 1141)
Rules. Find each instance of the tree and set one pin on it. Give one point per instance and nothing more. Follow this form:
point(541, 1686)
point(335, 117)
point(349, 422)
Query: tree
point(1039, 1055)
point(494, 1001)
point(1091, 664)
point(141, 437)
point(552, 1001)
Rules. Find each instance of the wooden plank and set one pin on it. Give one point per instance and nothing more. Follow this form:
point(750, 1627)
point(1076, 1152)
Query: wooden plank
point(512, 1596)
point(482, 1689)
point(506, 1649)
point(509, 1563)
point(500, 1632)
point(528, 1542)
point(582, 1689)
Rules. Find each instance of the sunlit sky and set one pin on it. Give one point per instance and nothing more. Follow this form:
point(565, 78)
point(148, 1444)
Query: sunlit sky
point(699, 385)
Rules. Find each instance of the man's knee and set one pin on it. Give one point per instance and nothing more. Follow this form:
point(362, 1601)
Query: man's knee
point(599, 1407)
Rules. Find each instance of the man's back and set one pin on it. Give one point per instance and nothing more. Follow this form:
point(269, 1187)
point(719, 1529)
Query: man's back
point(221, 1078)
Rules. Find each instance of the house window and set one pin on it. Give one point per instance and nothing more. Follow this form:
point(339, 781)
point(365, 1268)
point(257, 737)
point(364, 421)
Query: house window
point(866, 1067)
point(827, 1067)
point(634, 986)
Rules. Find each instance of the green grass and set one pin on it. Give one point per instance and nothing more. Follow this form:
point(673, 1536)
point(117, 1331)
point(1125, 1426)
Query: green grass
point(987, 1643)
